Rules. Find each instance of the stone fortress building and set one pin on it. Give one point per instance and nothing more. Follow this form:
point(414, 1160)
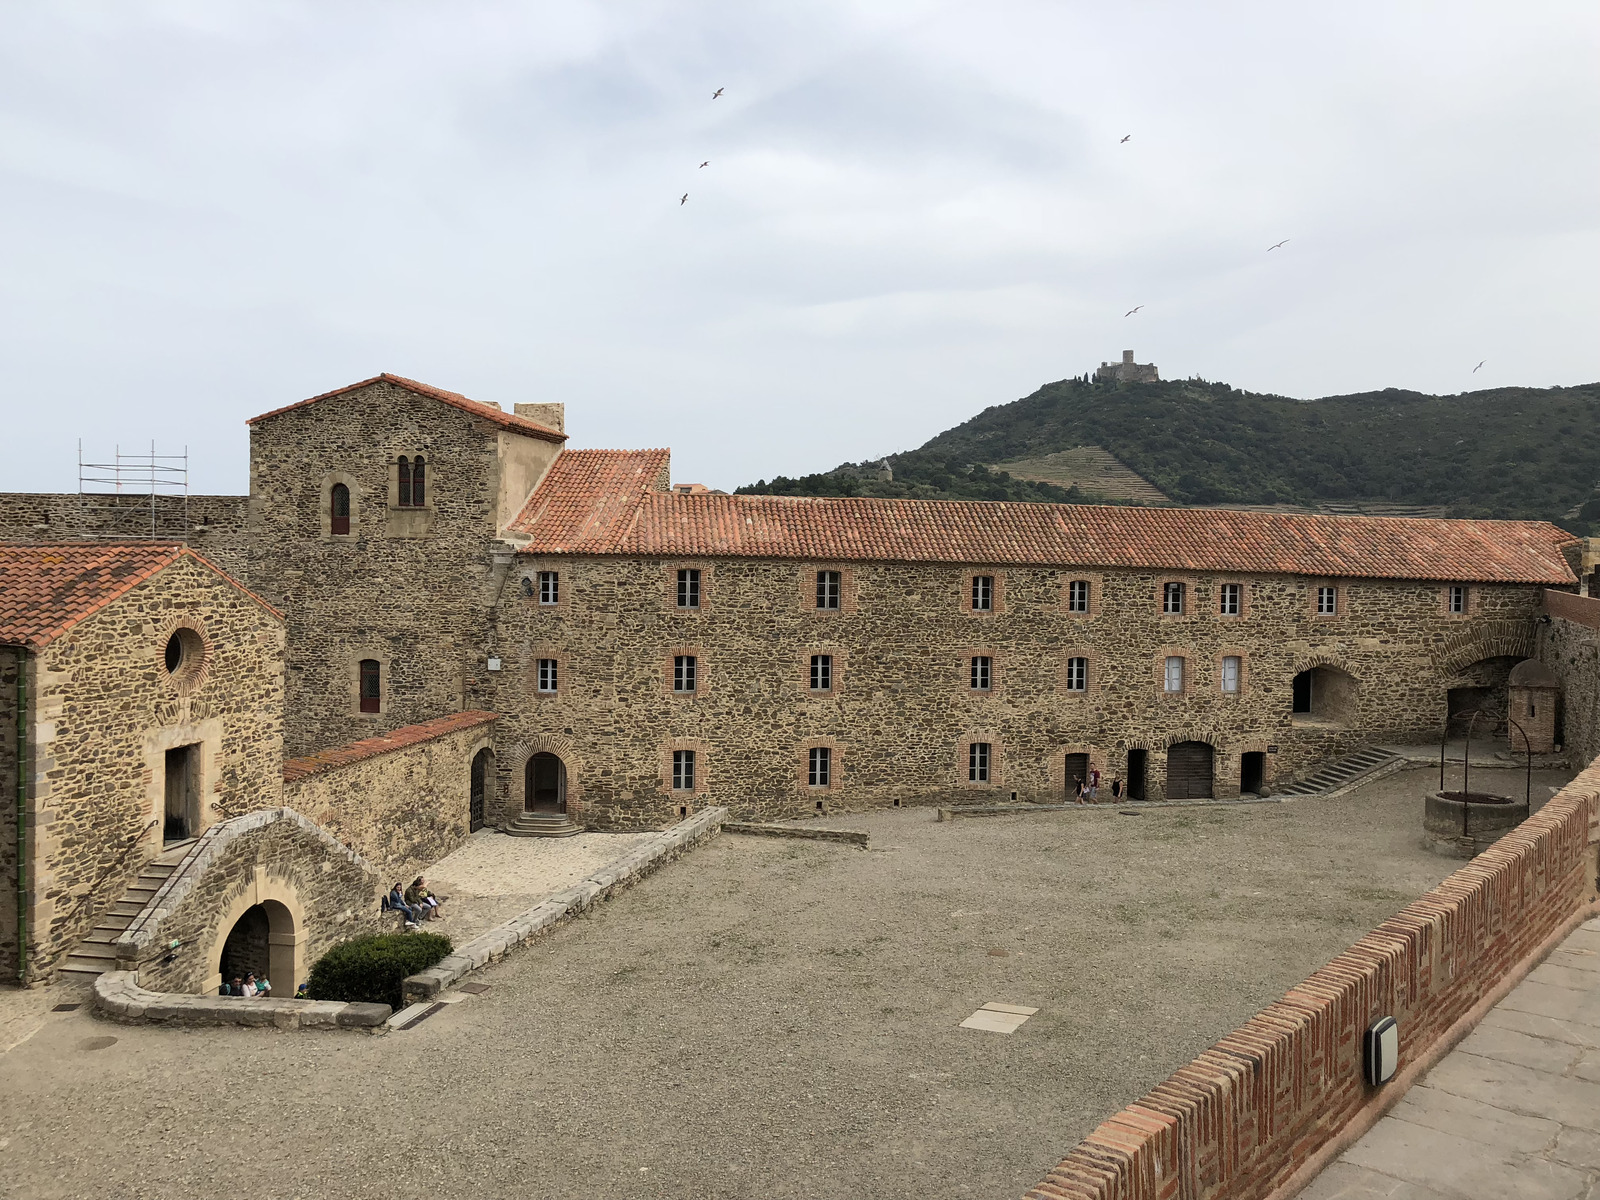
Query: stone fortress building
point(563, 638)
point(1128, 371)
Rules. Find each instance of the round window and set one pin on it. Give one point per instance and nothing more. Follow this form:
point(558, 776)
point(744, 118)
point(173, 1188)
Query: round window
point(174, 653)
point(185, 657)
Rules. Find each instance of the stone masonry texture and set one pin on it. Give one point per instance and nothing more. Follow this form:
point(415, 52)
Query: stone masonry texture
point(216, 526)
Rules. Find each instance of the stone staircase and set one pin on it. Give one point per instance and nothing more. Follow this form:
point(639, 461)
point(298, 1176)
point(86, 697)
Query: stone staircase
point(97, 954)
point(542, 824)
point(1337, 776)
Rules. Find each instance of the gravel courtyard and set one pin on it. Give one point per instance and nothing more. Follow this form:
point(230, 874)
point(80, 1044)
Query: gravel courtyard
point(764, 1018)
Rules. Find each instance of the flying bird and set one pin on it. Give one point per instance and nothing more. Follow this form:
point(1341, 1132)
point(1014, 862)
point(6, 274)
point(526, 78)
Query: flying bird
point(1475, 369)
point(1285, 242)
point(684, 201)
point(1125, 138)
point(707, 163)
point(1131, 311)
point(716, 93)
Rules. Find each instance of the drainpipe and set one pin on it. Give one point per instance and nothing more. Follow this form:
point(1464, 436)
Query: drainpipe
point(22, 816)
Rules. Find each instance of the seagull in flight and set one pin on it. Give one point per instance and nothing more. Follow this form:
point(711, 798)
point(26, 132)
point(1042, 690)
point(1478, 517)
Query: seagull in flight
point(1475, 369)
point(1131, 311)
point(684, 201)
point(1285, 242)
point(707, 163)
point(717, 93)
point(1125, 138)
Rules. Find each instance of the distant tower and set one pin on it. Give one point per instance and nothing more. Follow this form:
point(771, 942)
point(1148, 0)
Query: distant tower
point(1128, 371)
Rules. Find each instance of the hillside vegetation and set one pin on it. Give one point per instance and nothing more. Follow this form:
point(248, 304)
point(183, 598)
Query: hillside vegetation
point(1507, 452)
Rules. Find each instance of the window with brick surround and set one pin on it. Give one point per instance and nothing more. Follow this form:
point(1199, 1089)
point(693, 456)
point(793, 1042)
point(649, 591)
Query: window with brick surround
point(1078, 596)
point(978, 762)
point(1172, 674)
point(1230, 599)
point(683, 770)
point(549, 676)
point(830, 589)
point(689, 587)
point(982, 674)
point(339, 509)
point(1077, 674)
point(1327, 600)
point(683, 673)
point(549, 587)
point(1232, 670)
point(822, 672)
point(371, 686)
point(1456, 599)
point(413, 485)
point(1172, 598)
point(819, 767)
point(983, 593)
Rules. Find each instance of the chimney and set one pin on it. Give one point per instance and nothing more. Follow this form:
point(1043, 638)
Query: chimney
point(1127, 357)
point(552, 415)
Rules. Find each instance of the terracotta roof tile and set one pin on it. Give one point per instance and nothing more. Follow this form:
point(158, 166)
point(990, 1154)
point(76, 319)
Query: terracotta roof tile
point(410, 735)
point(593, 505)
point(48, 587)
point(455, 399)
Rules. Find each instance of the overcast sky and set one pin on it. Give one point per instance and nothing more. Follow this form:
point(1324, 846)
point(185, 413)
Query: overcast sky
point(913, 210)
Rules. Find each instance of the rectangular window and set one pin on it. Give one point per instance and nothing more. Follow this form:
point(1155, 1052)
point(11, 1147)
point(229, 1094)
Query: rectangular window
point(983, 593)
point(689, 588)
point(1077, 674)
point(1172, 598)
point(371, 686)
point(822, 672)
point(683, 770)
point(982, 672)
point(1228, 599)
point(683, 673)
point(820, 769)
point(1230, 674)
point(549, 587)
point(1172, 676)
point(547, 675)
point(1458, 598)
point(828, 589)
point(1327, 601)
point(1078, 596)
point(978, 762)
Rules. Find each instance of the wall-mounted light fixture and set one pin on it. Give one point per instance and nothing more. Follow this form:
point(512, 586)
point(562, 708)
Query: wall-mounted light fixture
point(527, 586)
point(1382, 1046)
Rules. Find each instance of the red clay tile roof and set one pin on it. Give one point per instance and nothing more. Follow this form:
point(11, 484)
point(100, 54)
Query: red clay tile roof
point(48, 587)
point(455, 399)
point(410, 735)
point(585, 510)
point(588, 497)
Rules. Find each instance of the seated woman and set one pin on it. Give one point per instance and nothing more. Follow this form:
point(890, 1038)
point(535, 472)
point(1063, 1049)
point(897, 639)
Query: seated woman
point(419, 897)
point(397, 901)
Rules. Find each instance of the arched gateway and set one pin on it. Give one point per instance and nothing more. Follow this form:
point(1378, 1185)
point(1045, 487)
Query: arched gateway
point(544, 784)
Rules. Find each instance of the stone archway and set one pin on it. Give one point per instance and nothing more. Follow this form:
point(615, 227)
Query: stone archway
point(480, 787)
point(544, 786)
point(262, 942)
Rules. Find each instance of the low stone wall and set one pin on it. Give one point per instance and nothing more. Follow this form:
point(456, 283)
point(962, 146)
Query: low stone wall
point(400, 800)
point(1240, 1120)
point(118, 997)
point(1569, 644)
point(812, 833)
point(564, 905)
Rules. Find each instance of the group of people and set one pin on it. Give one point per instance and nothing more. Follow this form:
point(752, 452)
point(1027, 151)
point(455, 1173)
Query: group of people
point(249, 986)
point(416, 902)
point(1087, 791)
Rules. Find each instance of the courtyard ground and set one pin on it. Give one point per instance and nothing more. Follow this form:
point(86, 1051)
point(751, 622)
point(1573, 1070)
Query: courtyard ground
point(763, 1017)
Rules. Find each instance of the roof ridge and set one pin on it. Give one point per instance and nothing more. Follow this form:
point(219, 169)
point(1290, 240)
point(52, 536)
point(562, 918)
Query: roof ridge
point(456, 400)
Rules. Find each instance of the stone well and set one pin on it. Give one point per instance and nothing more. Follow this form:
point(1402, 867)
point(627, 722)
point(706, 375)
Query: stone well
point(1461, 825)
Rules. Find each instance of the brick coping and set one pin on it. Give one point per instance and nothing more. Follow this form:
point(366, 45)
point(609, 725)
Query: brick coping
point(118, 997)
point(296, 769)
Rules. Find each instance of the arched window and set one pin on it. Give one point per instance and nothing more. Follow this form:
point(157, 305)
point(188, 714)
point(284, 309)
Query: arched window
point(412, 482)
point(371, 686)
point(339, 509)
point(404, 499)
point(418, 486)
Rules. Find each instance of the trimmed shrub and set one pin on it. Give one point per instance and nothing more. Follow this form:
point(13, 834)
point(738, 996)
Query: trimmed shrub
point(370, 969)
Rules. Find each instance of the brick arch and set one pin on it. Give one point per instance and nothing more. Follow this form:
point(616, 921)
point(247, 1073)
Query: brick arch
point(190, 678)
point(515, 762)
point(1217, 741)
point(1312, 661)
point(1486, 639)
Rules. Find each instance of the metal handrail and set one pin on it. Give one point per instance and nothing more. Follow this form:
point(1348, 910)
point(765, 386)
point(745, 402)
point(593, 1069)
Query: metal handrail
point(106, 874)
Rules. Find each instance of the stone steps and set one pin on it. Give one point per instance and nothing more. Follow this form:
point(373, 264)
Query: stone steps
point(97, 954)
point(542, 824)
point(1342, 773)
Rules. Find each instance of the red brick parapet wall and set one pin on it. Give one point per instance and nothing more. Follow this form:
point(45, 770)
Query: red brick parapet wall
point(411, 735)
point(1239, 1120)
point(1585, 610)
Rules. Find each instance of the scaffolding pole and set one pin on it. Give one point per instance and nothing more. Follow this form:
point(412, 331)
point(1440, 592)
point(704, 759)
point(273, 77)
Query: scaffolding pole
point(126, 496)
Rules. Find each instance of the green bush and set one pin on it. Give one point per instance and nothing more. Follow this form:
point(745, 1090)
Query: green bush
point(370, 969)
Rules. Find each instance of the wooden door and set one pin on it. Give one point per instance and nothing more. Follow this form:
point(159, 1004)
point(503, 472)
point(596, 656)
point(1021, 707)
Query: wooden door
point(1189, 767)
point(1077, 767)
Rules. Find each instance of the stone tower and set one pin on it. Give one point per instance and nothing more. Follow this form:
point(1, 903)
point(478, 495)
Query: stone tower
point(1128, 371)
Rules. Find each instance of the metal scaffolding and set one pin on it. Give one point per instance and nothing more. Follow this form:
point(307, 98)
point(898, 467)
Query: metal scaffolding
point(136, 495)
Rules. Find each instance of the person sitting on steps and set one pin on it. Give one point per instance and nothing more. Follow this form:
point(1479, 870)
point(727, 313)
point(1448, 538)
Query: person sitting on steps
point(397, 901)
point(420, 898)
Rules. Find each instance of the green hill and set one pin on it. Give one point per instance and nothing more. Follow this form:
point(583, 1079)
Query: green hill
point(1507, 452)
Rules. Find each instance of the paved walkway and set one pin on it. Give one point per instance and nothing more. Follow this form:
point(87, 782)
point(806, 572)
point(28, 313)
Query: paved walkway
point(1513, 1111)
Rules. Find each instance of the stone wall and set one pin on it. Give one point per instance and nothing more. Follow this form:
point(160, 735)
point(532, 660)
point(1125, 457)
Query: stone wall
point(1569, 644)
point(313, 891)
point(400, 801)
point(106, 711)
point(216, 526)
point(1240, 1120)
point(408, 588)
point(13, 666)
point(901, 714)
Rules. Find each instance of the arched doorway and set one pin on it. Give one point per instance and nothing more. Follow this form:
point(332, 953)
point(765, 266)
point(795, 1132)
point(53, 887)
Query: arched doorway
point(1075, 770)
point(1480, 687)
point(544, 784)
point(1324, 694)
point(261, 943)
point(482, 773)
point(1189, 771)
